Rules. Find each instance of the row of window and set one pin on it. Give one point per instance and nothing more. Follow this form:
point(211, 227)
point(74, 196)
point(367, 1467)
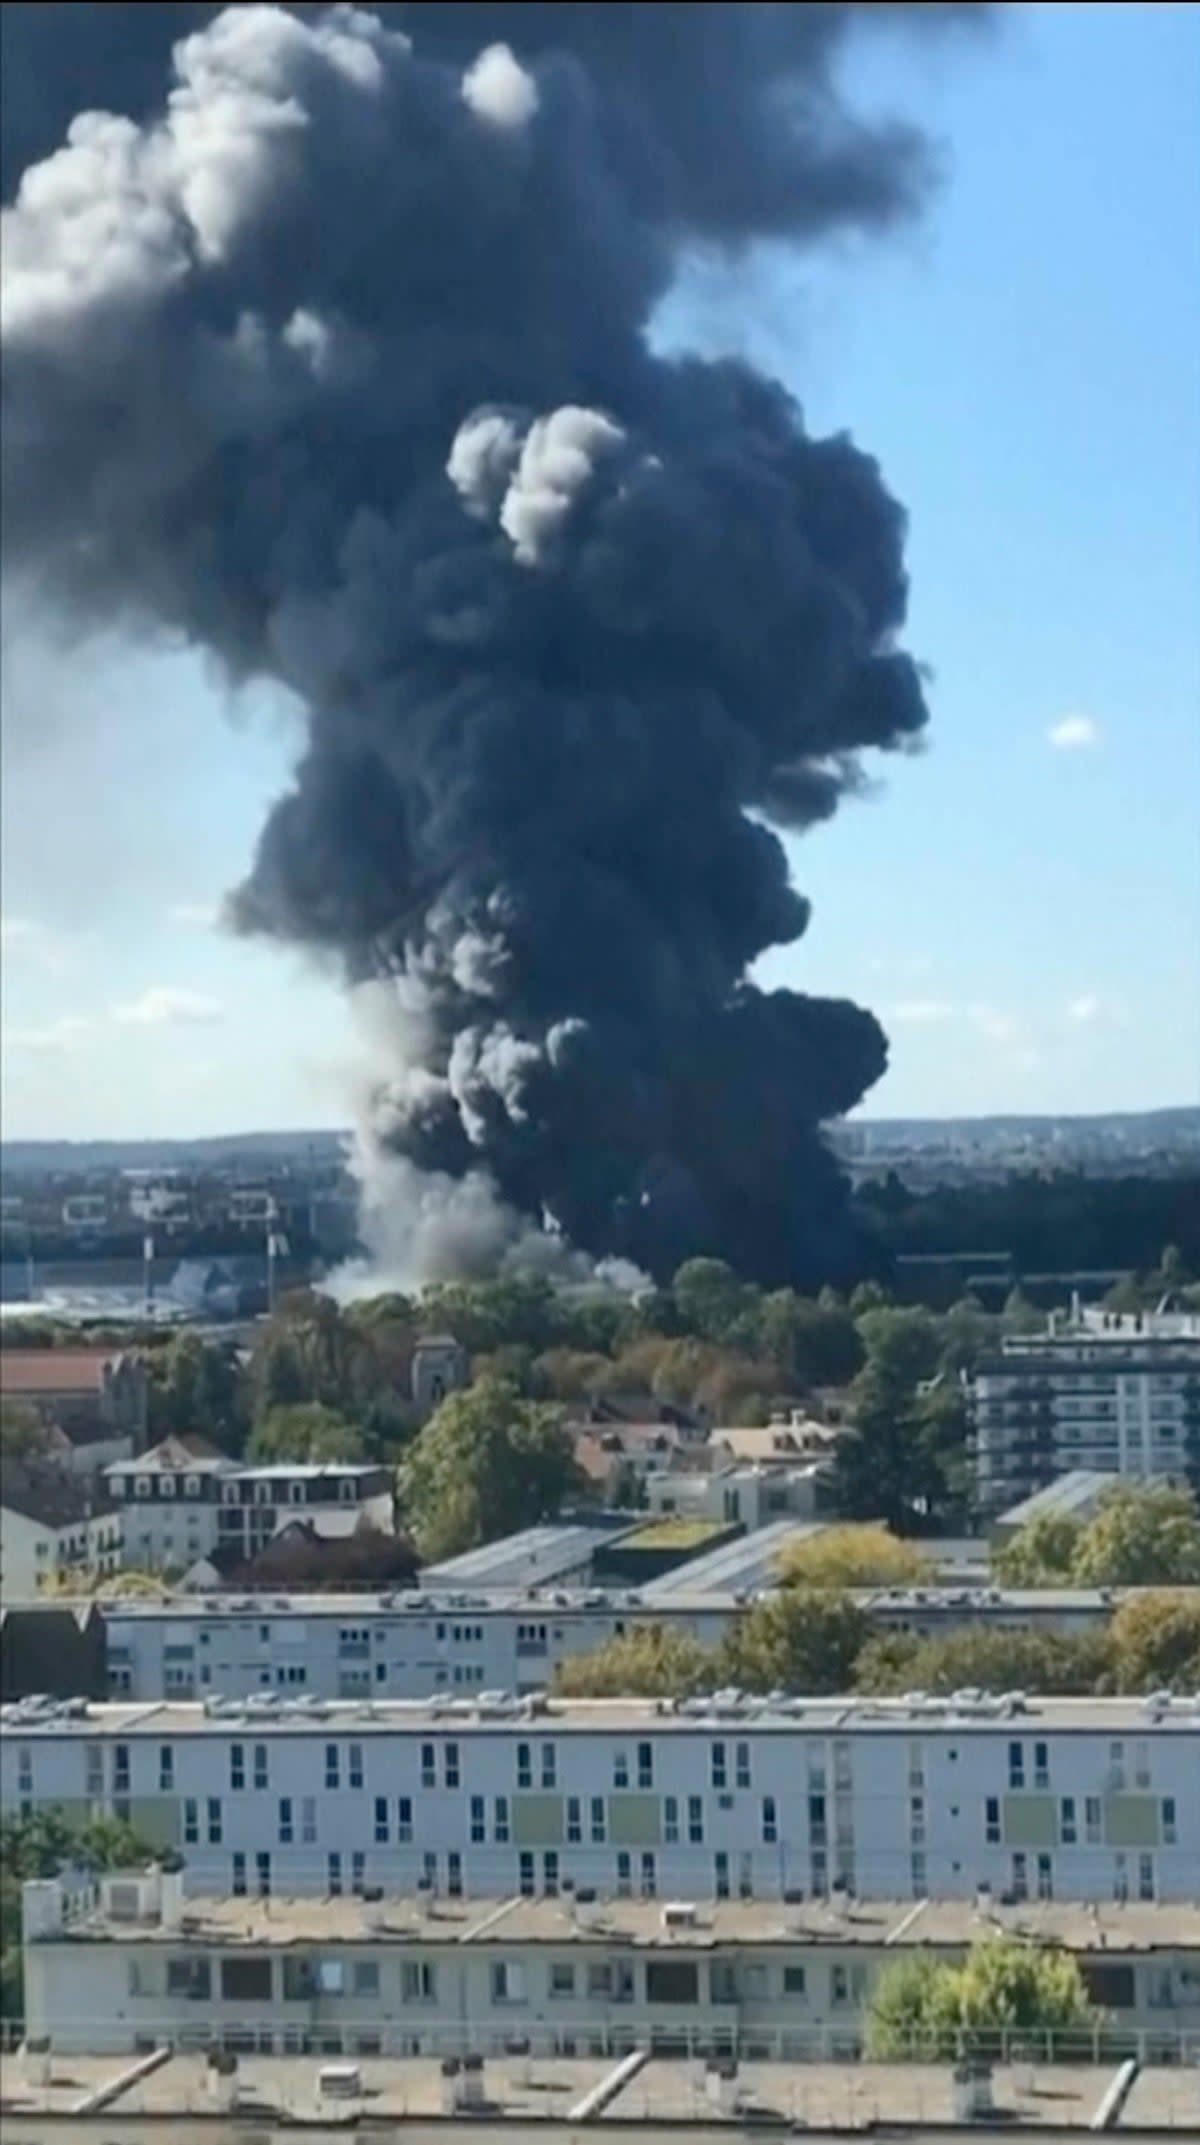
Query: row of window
point(1093, 1821)
point(1043, 1874)
point(511, 1981)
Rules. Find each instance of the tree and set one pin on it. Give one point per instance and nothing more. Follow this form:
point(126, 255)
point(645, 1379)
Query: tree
point(41, 1845)
point(306, 1433)
point(710, 1298)
point(650, 1661)
point(366, 1559)
point(197, 1385)
point(23, 1434)
point(1154, 1642)
point(802, 1640)
point(1041, 1553)
point(984, 1659)
point(1140, 1537)
point(486, 1463)
point(1004, 1986)
point(852, 1556)
point(811, 1343)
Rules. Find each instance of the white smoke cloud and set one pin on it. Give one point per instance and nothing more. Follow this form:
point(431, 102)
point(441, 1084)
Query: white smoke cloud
point(498, 89)
point(529, 484)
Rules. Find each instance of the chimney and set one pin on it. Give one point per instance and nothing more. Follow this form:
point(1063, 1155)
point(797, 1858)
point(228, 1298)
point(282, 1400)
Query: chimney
point(170, 1895)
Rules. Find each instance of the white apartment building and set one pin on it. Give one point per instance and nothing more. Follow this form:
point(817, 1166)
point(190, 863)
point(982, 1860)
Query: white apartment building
point(1115, 1394)
point(54, 1528)
point(730, 1797)
point(754, 1496)
point(184, 1500)
point(128, 1964)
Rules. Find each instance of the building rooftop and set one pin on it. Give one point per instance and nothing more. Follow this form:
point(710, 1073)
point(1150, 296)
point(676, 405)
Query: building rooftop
point(187, 1453)
point(51, 1496)
point(962, 1712)
point(1111, 1927)
point(54, 1370)
point(1072, 1496)
point(535, 1555)
point(745, 1566)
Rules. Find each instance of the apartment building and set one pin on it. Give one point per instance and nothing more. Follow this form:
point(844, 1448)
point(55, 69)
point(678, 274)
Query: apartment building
point(54, 1528)
point(185, 1500)
point(729, 1797)
point(394, 1645)
point(1113, 1394)
point(130, 1963)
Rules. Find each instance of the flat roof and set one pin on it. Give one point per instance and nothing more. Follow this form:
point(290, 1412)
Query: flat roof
point(747, 1565)
point(504, 1714)
point(1075, 1492)
point(522, 1560)
point(1109, 1927)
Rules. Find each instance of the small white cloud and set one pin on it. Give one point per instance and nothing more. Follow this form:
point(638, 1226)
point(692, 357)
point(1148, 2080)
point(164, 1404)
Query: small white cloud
point(198, 915)
point(498, 89)
point(999, 1027)
point(162, 1007)
point(58, 1037)
point(1085, 1008)
point(1074, 733)
point(921, 1011)
point(24, 939)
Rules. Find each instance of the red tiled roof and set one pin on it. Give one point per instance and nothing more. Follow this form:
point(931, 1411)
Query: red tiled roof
point(53, 1370)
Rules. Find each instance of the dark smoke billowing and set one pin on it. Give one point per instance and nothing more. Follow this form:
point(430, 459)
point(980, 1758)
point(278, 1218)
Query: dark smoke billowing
point(333, 358)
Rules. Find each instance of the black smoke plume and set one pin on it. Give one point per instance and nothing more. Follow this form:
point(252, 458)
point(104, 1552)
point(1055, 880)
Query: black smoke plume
point(332, 357)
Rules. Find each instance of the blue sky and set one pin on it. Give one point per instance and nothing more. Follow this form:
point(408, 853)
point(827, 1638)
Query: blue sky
point(1019, 902)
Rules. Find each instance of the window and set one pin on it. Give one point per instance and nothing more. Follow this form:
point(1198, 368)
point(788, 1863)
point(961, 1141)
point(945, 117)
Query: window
point(238, 1878)
point(794, 1981)
point(649, 1876)
point(333, 1766)
point(1016, 1765)
point(550, 1872)
point(454, 1883)
point(418, 1982)
point(1169, 1831)
point(991, 1821)
point(1092, 1819)
point(719, 1775)
point(598, 1821)
point(1020, 1876)
point(262, 1874)
point(354, 1764)
point(365, 1977)
point(94, 1771)
point(839, 1984)
point(1068, 1830)
point(308, 1820)
point(120, 1769)
point(918, 1873)
point(549, 1765)
point(191, 1823)
point(334, 1875)
point(246, 1980)
point(526, 1875)
point(599, 1979)
point(191, 1978)
point(1145, 1876)
point(1116, 1765)
point(916, 1820)
point(770, 1829)
point(672, 1981)
point(214, 1820)
point(429, 1870)
point(816, 1820)
point(524, 1765)
point(645, 1765)
point(574, 1821)
point(745, 1876)
point(562, 1978)
point(508, 1982)
point(1045, 1876)
point(166, 1769)
point(670, 1820)
point(286, 1826)
point(500, 1824)
point(1041, 1765)
point(382, 1829)
point(620, 1768)
point(624, 1875)
point(742, 1764)
point(478, 1820)
point(191, 1485)
point(721, 1876)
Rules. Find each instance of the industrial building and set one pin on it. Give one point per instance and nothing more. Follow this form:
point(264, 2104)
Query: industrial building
point(730, 1797)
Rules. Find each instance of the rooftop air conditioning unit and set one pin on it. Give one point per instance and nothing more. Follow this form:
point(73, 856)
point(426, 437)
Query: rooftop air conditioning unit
point(679, 1914)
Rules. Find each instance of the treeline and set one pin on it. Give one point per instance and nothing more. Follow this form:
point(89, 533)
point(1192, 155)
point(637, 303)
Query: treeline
point(1049, 1222)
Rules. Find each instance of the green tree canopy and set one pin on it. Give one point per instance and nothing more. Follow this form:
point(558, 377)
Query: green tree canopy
point(1154, 1641)
point(800, 1640)
point(1139, 1535)
point(936, 2012)
point(710, 1298)
point(307, 1433)
point(850, 1556)
point(23, 1434)
point(486, 1463)
point(41, 1845)
point(984, 1659)
point(651, 1661)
